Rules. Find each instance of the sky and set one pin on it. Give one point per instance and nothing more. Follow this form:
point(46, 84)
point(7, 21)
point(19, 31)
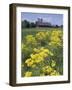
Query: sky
point(54, 19)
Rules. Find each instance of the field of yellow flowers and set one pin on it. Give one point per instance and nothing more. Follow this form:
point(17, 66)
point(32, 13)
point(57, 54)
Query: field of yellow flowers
point(42, 53)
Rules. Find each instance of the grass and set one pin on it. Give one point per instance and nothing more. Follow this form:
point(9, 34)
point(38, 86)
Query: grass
point(33, 31)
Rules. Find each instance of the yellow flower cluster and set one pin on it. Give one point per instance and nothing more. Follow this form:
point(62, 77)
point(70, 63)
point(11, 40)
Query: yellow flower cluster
point(30, 39)
point(39, 56)
point(54, 73)
point(29, 62)
point(28, 74)
point(40, 36)
point(39, 53)
point(48, 70)
point(55, 38)
point(43, 50)
point(53, 63)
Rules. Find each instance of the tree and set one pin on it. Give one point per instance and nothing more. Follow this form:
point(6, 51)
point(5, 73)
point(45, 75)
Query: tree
point(32, 24)
point(25, 24)
point(57, 26)
point(61, 26)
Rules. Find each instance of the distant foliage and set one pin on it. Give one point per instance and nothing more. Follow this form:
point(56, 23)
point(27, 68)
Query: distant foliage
point(27, 24)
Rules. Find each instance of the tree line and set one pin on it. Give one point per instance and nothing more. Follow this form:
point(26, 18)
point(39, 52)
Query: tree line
point(27, 24)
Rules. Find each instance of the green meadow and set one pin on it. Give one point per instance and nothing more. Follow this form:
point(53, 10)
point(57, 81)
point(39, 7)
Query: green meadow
point(42, 52)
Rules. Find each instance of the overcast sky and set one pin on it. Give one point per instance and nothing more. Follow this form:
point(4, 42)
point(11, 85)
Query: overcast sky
point(54, 19)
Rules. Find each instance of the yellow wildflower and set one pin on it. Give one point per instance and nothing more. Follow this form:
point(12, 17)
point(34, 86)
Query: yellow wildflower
point(55, 73)
point(53, 63)
point(37, 60)
point(40, 36)
point(34, 56)
point(47, 69)
point(56, 38)
point(36, 50)
point(28, 74)
point(29, 62)
point(30, 39)
point(33, 66)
